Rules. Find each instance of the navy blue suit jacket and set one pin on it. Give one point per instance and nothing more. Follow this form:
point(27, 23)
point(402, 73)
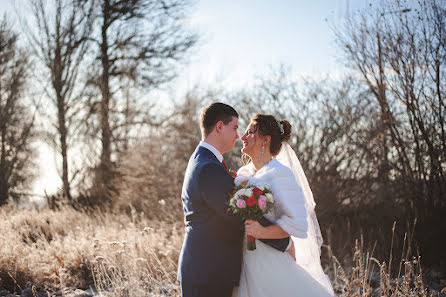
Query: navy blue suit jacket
point(212, 249)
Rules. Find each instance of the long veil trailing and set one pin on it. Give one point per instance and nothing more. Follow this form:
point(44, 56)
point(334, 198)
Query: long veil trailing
point(308, 250)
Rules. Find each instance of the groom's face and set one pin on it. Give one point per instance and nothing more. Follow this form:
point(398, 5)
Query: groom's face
point(229, 134)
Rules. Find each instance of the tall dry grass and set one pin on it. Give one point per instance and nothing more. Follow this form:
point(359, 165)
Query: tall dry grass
point(66, 249)
point(129, 255)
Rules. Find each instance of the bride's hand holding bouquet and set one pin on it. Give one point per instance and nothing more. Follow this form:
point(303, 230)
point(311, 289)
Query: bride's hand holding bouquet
point(251, 202)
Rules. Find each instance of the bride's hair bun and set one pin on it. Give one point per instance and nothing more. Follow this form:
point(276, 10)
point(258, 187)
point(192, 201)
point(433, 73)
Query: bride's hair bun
point(285, 130)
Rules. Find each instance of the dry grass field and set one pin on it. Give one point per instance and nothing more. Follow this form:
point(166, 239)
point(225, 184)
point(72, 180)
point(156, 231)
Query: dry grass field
point(67, 252)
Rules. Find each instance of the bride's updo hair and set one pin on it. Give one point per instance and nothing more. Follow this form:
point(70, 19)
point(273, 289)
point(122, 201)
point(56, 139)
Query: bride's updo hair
point(267, 125)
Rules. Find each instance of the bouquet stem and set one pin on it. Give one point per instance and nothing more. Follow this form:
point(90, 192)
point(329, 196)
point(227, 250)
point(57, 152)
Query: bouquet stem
point(251, 244)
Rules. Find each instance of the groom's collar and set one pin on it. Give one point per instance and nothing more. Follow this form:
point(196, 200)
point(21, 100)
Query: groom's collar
point(212, 149)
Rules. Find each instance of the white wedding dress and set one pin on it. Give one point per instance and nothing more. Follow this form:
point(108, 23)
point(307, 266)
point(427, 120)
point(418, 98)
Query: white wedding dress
point(267, 272)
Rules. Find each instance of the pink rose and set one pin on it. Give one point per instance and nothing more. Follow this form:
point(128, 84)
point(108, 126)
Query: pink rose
point(240, 192)
point(262, 202)
point(241, 203)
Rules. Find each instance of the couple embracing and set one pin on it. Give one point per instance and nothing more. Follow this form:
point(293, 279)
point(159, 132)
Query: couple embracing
point(214, 261)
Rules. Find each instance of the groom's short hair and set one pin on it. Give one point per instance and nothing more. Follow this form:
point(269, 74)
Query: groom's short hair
point(214, 113)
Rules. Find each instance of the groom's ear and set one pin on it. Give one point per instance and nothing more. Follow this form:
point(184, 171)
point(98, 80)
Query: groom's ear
point(219, 126)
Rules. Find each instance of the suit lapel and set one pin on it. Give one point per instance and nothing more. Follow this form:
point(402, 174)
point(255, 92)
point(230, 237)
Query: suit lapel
point(209, 155)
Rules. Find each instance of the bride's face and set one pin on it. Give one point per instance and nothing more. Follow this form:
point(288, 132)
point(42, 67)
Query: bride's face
point(251, 141)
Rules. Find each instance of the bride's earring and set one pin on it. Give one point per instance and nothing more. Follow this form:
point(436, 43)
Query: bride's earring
point(263, 149)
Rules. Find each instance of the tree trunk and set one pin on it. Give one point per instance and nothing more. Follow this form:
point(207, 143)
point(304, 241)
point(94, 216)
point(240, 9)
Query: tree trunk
point(63, 145)
point(61, 112)
point(105, 166)
point(3, 181)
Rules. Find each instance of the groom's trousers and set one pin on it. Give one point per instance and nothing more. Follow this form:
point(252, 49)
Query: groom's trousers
point(196, 291)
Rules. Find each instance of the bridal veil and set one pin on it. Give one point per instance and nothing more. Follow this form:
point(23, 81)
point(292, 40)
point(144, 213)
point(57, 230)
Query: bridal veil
point(308, 250)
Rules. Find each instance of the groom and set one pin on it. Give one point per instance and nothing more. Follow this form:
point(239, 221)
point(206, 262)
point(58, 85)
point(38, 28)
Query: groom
point(210, 259)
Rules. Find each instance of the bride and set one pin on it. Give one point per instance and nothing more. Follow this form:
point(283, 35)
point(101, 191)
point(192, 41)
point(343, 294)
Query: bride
point(267, 272)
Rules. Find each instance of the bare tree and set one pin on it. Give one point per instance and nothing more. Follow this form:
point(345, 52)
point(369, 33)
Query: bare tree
point(397, 49)
point(332, 133)
point(58, 33)
point(399, 52)
point(16, 120)
point(139, 44)
point(154, 168)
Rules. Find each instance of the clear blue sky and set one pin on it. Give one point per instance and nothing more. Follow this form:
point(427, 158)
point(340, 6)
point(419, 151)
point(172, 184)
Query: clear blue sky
point(243, 38)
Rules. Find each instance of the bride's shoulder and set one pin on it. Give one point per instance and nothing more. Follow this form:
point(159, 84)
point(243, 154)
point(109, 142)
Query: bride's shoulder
point(279, 169)
point(280, 176)
point(245, 170)
point(244, 173)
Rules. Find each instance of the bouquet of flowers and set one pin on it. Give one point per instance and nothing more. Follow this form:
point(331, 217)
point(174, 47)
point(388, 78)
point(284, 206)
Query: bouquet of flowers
point(251, 202)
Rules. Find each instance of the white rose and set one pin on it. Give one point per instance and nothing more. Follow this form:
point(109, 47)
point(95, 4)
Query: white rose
point(248, 192)
point(269, 197)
